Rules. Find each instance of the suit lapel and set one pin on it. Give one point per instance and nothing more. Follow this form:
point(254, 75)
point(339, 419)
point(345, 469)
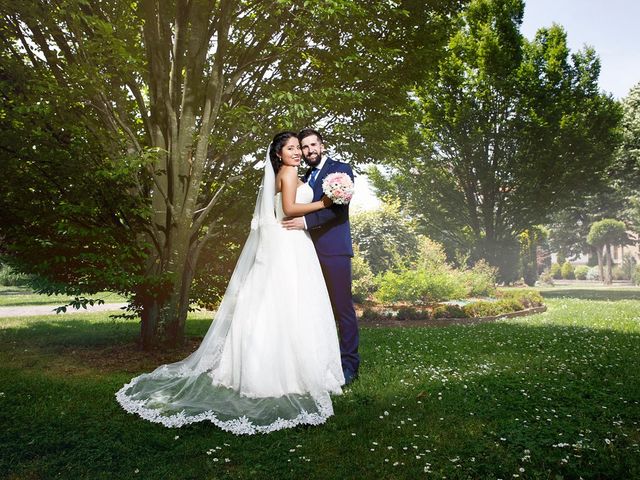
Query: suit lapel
point(317, 188)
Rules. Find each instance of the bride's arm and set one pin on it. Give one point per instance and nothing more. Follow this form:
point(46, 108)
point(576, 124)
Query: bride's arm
point(289, 185)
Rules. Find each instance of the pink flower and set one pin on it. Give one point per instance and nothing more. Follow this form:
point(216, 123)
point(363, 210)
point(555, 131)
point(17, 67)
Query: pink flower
point(338, 187)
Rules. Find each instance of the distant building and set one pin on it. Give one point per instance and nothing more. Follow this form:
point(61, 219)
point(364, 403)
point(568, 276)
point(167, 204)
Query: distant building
point(617, 252)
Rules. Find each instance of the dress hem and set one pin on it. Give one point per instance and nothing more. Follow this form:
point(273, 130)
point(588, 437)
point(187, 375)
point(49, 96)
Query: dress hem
point(239, 426)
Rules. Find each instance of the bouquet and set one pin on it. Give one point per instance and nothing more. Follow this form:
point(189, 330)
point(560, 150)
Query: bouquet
point(338, 187)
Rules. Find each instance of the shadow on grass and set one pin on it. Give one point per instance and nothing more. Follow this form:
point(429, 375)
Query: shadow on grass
point(92, 343)
point(71, 427)
point(593, 294)
point(86, 331)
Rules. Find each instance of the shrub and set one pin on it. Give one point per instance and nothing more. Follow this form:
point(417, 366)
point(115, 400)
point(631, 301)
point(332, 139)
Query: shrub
point(431, 255)
point(618, 273)
point(480, 280)
point(363, 281)
point(10, 278)
point(527, 298)
point(412, 313)
point(556, 271)
point(636, 275)
point(581, 272)
point(628, 265)
point(385, 236)
point(371, 315)
point(448, 311)
point(491, 309)
point(567, 271)
point(508, 301)
point(419, 286)
point(546, 278)
point(593, 273)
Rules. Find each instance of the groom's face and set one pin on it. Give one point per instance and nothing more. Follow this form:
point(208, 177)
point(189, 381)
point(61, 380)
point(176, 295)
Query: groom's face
point(312, 150)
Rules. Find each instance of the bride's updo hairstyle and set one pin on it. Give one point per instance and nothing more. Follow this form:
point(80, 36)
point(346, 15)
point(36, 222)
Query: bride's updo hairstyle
point(275, 149)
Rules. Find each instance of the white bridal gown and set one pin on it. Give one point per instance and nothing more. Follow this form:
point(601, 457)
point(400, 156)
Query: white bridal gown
point(271, 356)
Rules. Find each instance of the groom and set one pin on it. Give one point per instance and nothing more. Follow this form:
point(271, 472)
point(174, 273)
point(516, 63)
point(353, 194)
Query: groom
point(331, 233)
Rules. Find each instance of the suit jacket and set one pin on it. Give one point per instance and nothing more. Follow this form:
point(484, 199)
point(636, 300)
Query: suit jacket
point(329, 227)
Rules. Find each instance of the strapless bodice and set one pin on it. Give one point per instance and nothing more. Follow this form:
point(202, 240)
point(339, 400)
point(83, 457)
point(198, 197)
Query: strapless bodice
point(304, 194)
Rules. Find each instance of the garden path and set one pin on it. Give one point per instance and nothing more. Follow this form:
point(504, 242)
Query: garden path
point(36, 310)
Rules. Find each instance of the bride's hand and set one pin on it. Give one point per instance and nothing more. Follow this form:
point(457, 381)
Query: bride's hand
point(326, 201)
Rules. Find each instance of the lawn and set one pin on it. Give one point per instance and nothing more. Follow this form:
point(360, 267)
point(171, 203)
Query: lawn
point(551, 396)
point(18, 296)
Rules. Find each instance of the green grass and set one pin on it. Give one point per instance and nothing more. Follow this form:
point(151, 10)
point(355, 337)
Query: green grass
point(591, 293)
point(551, 396)
point(22, 296)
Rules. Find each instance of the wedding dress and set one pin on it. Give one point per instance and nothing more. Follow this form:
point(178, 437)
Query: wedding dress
point(271, 356)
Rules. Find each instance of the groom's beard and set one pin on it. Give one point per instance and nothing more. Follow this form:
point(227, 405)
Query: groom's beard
point(313, 162)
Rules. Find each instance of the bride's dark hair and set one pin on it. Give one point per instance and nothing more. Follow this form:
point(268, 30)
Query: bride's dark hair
point(278, 142)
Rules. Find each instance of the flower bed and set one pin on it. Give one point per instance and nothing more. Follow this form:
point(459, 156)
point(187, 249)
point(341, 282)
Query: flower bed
point(506, 303)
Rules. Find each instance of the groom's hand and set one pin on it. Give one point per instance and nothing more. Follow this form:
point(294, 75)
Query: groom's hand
point(293, 223)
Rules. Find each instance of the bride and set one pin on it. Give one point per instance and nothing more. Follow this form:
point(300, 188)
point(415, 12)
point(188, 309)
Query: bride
point(271, 357)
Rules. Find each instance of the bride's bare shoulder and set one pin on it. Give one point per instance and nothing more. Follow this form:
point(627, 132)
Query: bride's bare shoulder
point(287, 176)
point(288, 171)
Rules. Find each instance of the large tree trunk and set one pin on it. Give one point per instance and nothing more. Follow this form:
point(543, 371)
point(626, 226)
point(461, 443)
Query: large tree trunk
point(165, 307)
point(185, 98)
point(149, 322)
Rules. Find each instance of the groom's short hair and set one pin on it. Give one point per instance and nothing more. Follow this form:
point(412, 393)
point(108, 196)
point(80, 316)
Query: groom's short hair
point(307, 132)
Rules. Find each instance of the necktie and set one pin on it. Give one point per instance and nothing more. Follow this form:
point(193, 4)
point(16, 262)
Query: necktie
point(312, 177)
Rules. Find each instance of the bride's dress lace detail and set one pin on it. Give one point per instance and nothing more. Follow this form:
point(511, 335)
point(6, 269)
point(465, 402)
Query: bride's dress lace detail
point(239, 426)
point(271, 357)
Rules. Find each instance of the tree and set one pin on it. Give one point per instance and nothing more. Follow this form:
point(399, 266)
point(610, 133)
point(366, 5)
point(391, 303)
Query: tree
point(618, 196)
point(363, 283)
point(606, 233)
point(531, 241)
point(384, 237)
point(509, 132)
point(176, 99)
point(569, 228)
point(629, 153)
point(627, 166)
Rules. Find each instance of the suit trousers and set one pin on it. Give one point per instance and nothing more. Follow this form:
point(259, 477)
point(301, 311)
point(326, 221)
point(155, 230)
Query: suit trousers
point(337, 274)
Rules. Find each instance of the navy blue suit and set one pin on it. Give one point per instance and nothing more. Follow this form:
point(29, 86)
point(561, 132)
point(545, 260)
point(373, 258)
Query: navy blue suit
point(331, 233)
